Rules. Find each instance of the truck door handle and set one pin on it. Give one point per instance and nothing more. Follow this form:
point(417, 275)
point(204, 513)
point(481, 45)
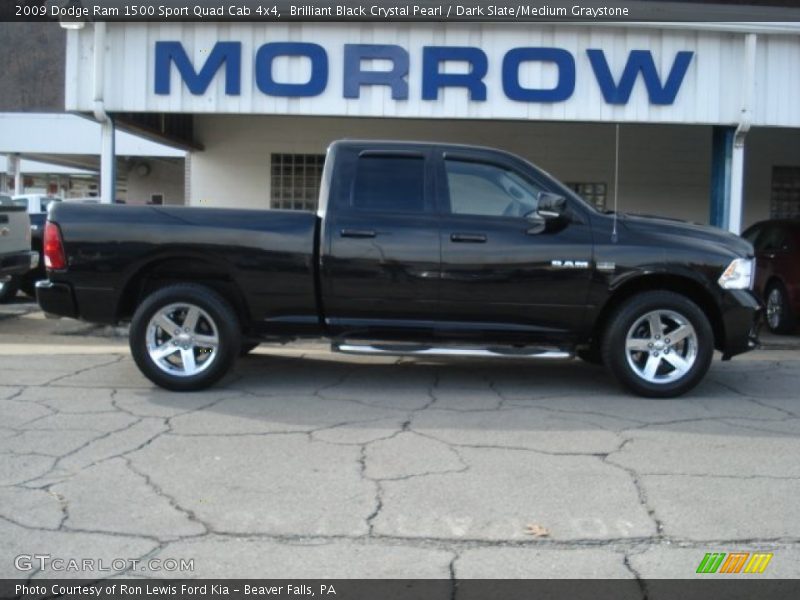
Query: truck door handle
point(357, 233)
point(468, 238)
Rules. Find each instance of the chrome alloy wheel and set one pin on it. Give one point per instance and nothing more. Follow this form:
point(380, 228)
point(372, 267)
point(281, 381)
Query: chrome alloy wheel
point(182, 339)
point(661, 346)
point(774, 308)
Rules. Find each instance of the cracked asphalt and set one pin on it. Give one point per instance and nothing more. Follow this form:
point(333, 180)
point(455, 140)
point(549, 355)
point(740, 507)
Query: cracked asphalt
point(304, 463)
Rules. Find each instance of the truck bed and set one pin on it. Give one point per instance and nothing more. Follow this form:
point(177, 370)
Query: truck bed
point(266, 254)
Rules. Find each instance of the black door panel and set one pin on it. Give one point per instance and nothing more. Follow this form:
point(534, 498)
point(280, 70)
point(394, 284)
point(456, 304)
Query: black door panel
point(381, 270)
point(499, 267)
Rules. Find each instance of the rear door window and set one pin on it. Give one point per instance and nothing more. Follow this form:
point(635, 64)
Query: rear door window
point(389, 184)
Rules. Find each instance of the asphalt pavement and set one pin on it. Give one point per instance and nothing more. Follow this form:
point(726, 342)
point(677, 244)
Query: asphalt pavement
point(304, 463)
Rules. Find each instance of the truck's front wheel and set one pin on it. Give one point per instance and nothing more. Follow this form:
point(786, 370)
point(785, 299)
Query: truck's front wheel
point(659, 344)
point(184, 337)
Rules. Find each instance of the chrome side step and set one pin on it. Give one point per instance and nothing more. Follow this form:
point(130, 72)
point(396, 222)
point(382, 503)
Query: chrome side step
point(476, 352)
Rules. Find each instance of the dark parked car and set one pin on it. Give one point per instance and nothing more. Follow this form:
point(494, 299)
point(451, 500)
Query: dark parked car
point(417, 249)
point(777, 247)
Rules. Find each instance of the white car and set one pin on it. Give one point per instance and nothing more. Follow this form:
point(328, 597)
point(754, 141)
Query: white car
point(35, 203)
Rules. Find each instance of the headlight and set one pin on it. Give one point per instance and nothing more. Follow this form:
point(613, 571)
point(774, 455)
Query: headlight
point(739, 275)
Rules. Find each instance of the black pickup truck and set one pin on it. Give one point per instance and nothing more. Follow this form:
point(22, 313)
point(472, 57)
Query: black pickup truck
point(417, 249)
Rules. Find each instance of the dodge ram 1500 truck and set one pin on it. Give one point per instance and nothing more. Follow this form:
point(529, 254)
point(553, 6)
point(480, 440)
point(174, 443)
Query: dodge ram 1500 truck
point(415, 249)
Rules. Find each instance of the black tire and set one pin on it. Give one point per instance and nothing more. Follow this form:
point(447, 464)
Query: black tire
point(247, 347)
point(218, 315)
point(8, 288)
point(632, 368)
point(780, 317)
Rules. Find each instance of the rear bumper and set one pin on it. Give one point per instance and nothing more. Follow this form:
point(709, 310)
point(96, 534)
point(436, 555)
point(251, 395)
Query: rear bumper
point(56, 299)
point(18, 263)
point(742, 314)
point(95, 305)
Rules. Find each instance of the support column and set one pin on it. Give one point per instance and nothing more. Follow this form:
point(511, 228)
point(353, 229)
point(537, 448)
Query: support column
point(19, 187)
point(721, 171)
point(108, 161)
point(734, 223)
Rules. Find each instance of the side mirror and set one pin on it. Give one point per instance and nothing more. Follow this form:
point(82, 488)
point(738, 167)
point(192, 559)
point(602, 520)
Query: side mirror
point(549, 214)
point(550, 205)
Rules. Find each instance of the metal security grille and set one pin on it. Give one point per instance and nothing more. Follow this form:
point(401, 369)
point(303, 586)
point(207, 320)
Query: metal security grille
point(295, 180)
point(785, 198)
point(594, 193)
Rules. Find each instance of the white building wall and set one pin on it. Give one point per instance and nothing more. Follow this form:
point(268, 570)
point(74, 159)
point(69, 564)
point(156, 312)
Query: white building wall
point(711, 92)
point(766, 148)
point(664, 170)
point(58, 133)
point(165, 177)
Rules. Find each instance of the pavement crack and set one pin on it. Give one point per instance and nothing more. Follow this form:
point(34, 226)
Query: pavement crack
point(117, 359)
point(362, 461)
point(455, 445)
point(171, 500)
point(74, 451)
point(451, 568)
point(717, 476)
point(16, 394)
point(641, 493)
point(755, 401)
point(640, 581)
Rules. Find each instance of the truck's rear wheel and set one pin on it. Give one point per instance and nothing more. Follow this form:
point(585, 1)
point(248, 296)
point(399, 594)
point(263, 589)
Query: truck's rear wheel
point(184, 337)
point(659, 344)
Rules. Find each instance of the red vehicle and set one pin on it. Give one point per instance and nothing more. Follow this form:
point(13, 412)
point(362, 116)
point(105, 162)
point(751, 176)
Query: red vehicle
point(777, 246)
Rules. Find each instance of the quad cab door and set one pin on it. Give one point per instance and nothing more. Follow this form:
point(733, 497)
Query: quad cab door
point(381, 248)
point(512, 269)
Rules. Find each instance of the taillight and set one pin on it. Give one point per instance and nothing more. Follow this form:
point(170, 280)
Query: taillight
point(53, 246)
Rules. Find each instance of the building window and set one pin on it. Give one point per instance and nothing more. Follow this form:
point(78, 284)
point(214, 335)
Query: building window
point(593, 193)
point(785, 197)
point(295, 180)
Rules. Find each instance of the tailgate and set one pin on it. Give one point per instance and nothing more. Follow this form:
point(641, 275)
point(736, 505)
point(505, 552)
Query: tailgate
point(15, 229)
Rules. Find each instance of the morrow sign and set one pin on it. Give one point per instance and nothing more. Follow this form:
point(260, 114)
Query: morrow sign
point(662, 89)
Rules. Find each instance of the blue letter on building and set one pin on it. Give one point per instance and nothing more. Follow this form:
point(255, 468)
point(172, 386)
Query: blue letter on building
point(565, 84)
point(639, 61)
point(229, 53)
point(319, 69)
point(432, 79)
point(395, 78)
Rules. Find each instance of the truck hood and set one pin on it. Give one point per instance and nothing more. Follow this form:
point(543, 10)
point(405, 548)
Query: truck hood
point(682, 232)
